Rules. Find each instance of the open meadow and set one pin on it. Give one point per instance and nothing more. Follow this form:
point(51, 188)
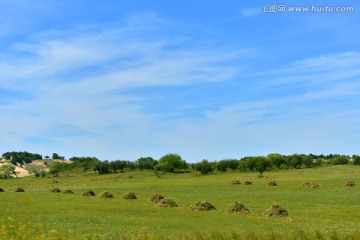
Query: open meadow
point(328, 212)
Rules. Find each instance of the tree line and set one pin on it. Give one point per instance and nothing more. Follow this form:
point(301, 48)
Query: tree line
point(174, 163)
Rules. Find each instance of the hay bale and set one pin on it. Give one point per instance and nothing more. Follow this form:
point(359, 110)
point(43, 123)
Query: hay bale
point(19, 189)
point(155, 198)
point(272, 183)
point(350, 184)
point(310, 185)
point(238, 208)
point(55, 190)
point(167, 203)
point(2, 190)
point(88, 193)
point(276, 211)
point(106, 195)
point(306, 184)
point(247, 182)
point(203, 206)
point(129, 195)
point(235, 182)
point(68, 191)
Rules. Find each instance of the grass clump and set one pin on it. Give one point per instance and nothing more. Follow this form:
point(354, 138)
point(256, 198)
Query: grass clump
point(235, 182)
point(350, 184)
point(238, 208)
point(19, 189)
point(88, 193)
point(167, 203)
point(203, 206)
point(68, 191)
point(129, 195)
point(276, 211)
point(156, 198)
point(55, 190)
point(106, 195)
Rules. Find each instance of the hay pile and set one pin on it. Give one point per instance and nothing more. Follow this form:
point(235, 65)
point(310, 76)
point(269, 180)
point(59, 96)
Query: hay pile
point(203, 206)
point(247, 182)
point(19, 189)
point(167, 203)
point(155, 198)
point(276, 211)
point(68, 191)
point(129, 195)
point(55, 190)
point(235, 182)
point(310, 185)
point(238, 208)
point(350, 184)
point(2, 190)
point(88, 193)
point(272, 183)
point(106, 195)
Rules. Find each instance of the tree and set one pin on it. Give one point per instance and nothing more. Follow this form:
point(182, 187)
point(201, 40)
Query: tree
point(339, 160)
point(7, 170)
point(276, 159)
point(102, 167)
point(118, 165)
point(170, 162)
point(85, 162)
point(356, 160)
point(205, 167)
point(261, 164)
point(56, 168)
point(57, 156)
point(146, 163)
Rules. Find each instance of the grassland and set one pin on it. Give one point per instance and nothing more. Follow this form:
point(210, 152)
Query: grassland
point(331, 211)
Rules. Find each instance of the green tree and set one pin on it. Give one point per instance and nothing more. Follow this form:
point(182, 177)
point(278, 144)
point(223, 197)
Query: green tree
point(57, 156)
point(146, 163)
point(102, 167)
point(170, 162)
point(261, 164)
point(205, 166)
point(55, 168)
point(7, 170)
point(276, 159)
point(356, 160)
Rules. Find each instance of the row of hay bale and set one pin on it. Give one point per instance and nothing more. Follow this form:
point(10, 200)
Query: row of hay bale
point(247, 182)
point(348, 184)
point(274, 211)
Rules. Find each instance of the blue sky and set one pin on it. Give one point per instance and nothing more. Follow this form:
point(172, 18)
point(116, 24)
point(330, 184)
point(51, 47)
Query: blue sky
point(204, 79)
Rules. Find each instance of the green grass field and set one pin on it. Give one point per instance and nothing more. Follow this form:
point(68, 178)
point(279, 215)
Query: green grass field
point(331, 211)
